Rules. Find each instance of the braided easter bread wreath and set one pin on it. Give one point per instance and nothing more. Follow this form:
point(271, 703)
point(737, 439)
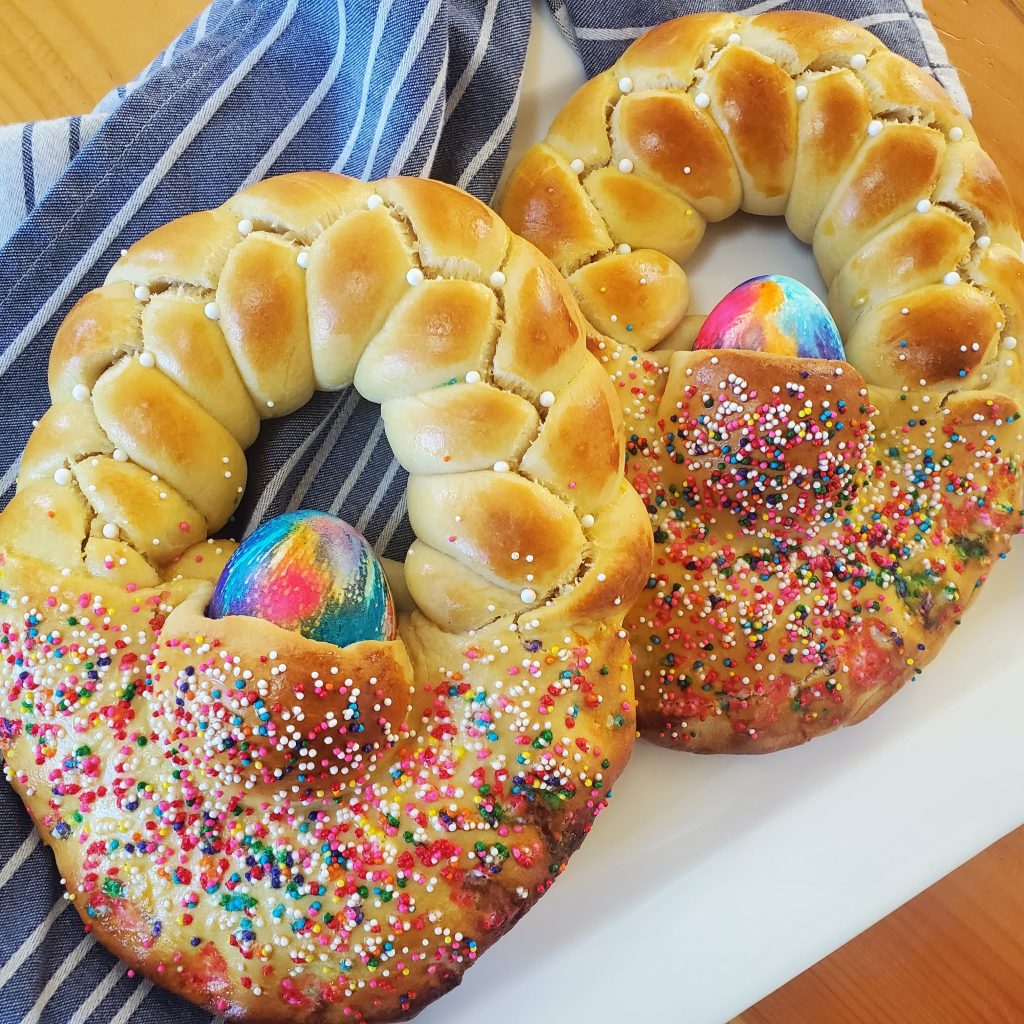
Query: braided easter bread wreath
point(276, 827)
point(819, 526)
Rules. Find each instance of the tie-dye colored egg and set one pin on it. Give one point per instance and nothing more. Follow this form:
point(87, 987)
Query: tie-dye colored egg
point(311, 573)
point(775, 315)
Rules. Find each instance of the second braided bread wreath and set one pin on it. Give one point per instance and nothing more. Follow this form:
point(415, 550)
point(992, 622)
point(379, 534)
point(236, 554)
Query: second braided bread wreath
point(819, 526)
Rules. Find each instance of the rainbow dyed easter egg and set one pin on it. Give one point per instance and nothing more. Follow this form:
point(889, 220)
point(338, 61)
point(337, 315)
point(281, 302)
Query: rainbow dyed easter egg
point(311, 573)
point(775, 315)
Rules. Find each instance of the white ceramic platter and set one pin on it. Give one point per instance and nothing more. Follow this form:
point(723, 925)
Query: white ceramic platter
point(709, 882)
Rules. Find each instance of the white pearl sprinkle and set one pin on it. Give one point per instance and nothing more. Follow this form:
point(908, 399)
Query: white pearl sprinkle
point(951, 278)
point(905, 310)
point(687, 169)
point(984, 241)
point(587, 521)
point(923, 206)
point(374, 202)
point(62, 477)
point(110, 531)
point(734, 37)
point(625, 84)
point(497, 279)
point(303, 259)
point(801, 92)
point(1009, 343)
point(703, 100)
point(624, 249)
point(414, 276)
point(80, 393)
point(956, 133)
point(148, 360)
point(626, 165)
point(245, 226)
point(528, 595)
point(120, 456)
point(142, 293)
point(858, 62)
point(270, 403)
point(473, 377)
point(212, 311)
point(576, 166)
point(547, 399)
point(875, 128)
point(501, 466)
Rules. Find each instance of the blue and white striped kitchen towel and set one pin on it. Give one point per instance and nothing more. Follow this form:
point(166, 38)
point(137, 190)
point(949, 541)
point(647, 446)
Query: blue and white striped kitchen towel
point(370, 87)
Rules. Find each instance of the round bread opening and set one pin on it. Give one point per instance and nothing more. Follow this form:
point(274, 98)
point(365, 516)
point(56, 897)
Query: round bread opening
point(332, 455)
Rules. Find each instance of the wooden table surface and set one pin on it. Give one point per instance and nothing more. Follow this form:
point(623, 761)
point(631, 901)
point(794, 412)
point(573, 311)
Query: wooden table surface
point(953, 955)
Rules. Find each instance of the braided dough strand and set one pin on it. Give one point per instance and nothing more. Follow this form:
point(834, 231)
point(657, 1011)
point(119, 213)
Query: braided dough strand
point(758, 631)
point(272, 826)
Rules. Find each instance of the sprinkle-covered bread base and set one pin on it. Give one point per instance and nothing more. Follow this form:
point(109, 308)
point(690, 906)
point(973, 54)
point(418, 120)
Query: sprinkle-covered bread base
point(352, 890)
point(766, 623)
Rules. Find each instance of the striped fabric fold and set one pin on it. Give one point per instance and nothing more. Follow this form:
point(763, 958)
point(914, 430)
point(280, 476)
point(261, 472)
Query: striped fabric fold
point(251, 88)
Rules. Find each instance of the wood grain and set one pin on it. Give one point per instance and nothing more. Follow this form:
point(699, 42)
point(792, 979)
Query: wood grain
point(60, 57)
point(985, 39)
point(953, 955)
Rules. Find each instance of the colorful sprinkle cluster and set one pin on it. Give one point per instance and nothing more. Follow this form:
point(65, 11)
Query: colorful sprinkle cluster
point(260, 726)
point(769, 454)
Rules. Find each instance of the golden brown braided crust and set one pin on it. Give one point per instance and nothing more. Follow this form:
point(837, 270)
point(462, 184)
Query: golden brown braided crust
point(274, 827)
point(785, 603)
